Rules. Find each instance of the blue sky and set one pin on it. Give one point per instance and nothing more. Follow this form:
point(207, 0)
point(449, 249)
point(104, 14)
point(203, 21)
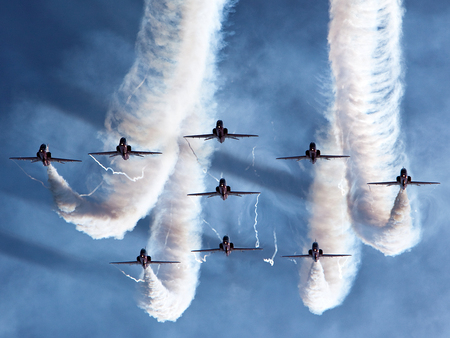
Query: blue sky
point(61, 65)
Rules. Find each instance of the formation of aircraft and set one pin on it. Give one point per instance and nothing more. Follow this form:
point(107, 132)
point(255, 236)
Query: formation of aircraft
point(312, 154)
point(145, 260)
point(124, 150)
point(220, 133)
point(315, 253)
point(226, 246)
point(223, 190)
point(44, 156)
point(403, 181)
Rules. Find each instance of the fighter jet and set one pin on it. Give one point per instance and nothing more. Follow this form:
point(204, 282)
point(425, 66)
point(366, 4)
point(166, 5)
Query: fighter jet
point(44, 156)
point(315, 253)
point(223, 191)
point(220, 133)
point(226, 246)
point(312, 154)
point(144, 260)
point(403, 181)
point(124, 150)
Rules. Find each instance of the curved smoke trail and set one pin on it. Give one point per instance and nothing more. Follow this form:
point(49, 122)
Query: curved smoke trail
point(165, 86)
point(167, 94)
point(325, 284)
point(365, 56)
point(366, 62)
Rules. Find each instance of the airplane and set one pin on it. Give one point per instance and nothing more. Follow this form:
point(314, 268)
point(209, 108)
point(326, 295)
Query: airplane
point(403, 180)
point(144, 260)
point(44, 156)
point(312, 154)
point(220, 133)
point(223, 191)
point(226, 246)
point(124, 150)
point(315, 253)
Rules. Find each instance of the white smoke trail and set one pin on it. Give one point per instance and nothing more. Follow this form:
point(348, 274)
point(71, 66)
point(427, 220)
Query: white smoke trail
point(256, 222)
point(365, 57)
point(134, 179)
point(271, 260)
point(174, 232)
point(215, 231)
point(366, 61)
point(34, 179)
point(163, 88)
point(325, 285)
point(176, 219)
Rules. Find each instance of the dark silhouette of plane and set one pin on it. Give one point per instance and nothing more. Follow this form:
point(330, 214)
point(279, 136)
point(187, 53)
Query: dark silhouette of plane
point(226, 246)
point(44, 156)
point(224, 191)
point(124, 150)
point(315, 253)
point(144, 260)
point(312, 154)
point(220, 133)
point(403, 181)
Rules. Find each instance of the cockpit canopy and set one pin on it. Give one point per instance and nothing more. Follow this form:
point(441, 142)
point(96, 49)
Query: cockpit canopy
point(123, 140)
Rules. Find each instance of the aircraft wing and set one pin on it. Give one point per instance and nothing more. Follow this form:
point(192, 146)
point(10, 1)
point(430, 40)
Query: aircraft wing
point(112, 153)
point(325, 255)
point(205, 136)
point(61, 160)
point(206, 250)
point(130, 263)
point(422, 183)
point(141, 153)
point(236, 136)
point(209, 194)
point(246, 249)
point(161, 262)
point(239, 193)
point(295, 256)
point(298, 158)
point(385, 183)
point(32, 159)
point(328, 157)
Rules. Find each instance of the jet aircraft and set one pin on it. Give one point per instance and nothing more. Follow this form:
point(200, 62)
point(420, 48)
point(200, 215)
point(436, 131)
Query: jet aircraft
point(220, 133)
point(403, 180)
point(315, 253)
point(312, 154)
point(124, 150)
point(226, 246)
point(44, 156)
point(223, 191)
point(144, 260)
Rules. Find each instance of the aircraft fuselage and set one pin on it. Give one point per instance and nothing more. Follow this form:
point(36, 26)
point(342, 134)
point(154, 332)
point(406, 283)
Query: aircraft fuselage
point(226, 246)
point(143, 258)
point(123, 148)
point(223, 189)
point(312, 153)
point(315, 252)
point(44, 155)
point(219, 131)
point(403, 179)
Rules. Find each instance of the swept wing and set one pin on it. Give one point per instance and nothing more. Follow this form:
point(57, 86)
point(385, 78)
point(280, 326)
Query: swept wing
point(293, 256)
point(421, 183)
point(298, 158)
point(206, 250)
point(209, 194)
point(239, 193)
point(386, 183)
point(141, 153)
point(205, 136)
